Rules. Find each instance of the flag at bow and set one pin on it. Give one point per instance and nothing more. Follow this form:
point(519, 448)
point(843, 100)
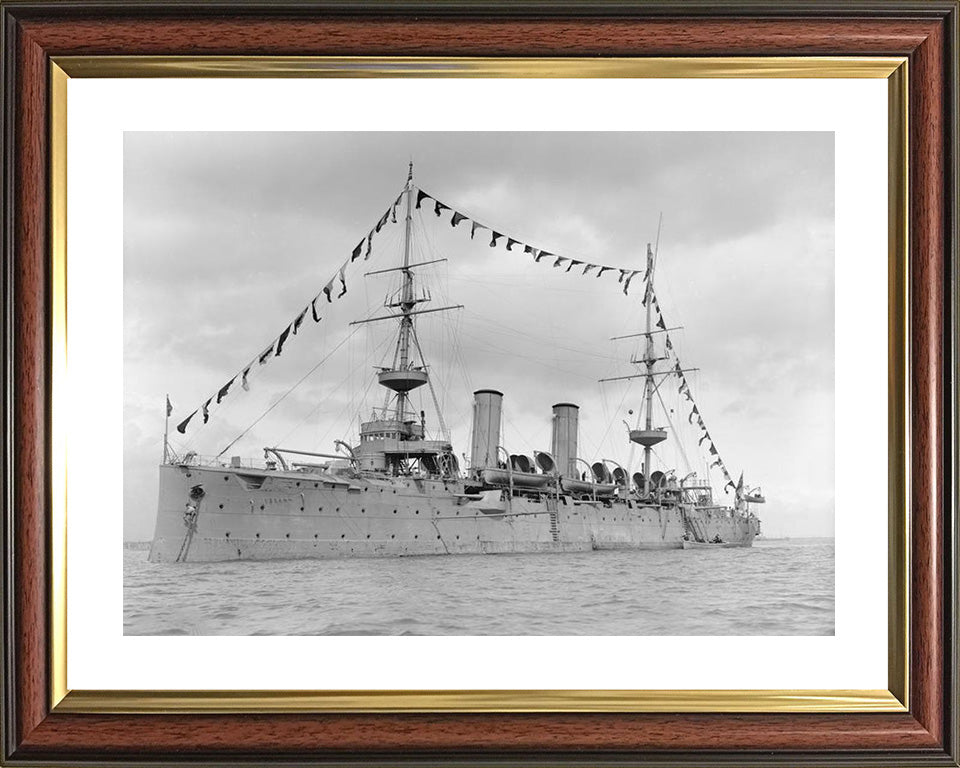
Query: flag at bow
point(182, 426)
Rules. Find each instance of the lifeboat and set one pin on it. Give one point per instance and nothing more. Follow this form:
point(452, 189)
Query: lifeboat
point(498, 476)
point(585, 487)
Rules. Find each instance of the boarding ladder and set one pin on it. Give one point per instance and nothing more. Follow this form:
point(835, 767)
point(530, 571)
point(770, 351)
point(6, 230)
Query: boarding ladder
point(554, 518)
point(692, 527)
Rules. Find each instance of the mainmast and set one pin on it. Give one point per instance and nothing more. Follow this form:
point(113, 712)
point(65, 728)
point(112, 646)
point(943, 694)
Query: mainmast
point(648, 387)
point(648, 436)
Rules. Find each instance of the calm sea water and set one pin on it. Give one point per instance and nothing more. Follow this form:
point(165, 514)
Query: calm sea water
point(779, 587)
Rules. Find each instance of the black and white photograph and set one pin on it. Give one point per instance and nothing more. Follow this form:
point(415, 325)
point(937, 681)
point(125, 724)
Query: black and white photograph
point(478, 383)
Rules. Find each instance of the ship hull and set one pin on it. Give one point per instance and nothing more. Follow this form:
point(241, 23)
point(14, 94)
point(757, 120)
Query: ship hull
point(269, 515)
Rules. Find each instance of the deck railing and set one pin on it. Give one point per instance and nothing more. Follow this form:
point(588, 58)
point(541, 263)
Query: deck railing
point(199, 460)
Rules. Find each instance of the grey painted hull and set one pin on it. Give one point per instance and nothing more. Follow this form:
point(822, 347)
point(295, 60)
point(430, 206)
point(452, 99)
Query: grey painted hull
point(269, 515)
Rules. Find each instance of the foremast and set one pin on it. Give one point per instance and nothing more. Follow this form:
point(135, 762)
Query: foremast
point(406, 304)
point(393, 440)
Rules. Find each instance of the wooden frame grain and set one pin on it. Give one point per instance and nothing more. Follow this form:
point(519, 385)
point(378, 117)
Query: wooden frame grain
point(925, 32)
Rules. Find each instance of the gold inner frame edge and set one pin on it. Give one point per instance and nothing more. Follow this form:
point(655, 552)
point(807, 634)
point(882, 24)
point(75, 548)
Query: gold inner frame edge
point(893, 69)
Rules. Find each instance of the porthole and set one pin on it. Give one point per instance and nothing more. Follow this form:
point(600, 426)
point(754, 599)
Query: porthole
point(416, 512)
point(261, 507)
point(301, 509)
point(226, 477)
point(368, 535)
point(394, 511)
point(416, 535)
point(298, 483)
point(258, 535)
point(319, 509)
point(221, 506)
point(363, 510)
point(316, 535)
point(227, 534)
point(343, 535)
point(338, 509)
point(438, 535)
point(458, 538)
point(393, 535)
point(288, 535)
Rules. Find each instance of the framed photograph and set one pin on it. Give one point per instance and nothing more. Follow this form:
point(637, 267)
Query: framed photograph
point(449, 384)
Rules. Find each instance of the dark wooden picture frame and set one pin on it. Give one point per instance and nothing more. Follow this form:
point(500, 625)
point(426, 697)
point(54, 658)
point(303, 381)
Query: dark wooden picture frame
point(33, 33)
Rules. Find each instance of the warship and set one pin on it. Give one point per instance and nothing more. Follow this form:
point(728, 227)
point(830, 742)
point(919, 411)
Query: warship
point(398, 490)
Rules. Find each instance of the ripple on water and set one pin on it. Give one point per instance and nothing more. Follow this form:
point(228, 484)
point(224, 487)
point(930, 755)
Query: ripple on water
point(781, 588)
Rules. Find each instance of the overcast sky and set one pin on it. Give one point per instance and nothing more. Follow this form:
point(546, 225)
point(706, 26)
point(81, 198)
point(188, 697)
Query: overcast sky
point(227, 236)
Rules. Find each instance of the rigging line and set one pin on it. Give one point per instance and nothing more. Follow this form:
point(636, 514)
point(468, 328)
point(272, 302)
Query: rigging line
point(583, 439)
point(458, 355)
point(436, 404)
point(255, 358)
point(356, 413)
point(443, 355)
point(505, 329)
point(510, 279)
point(622, 400)
point(285, 394)
point(694, 402)
point(656, 247)
point(460, 209)
point(478, 344)
point(516, 430)
point(351, 372)
point(630, 457)
point(666, 415)
point(633, 445)
point(457, 363)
